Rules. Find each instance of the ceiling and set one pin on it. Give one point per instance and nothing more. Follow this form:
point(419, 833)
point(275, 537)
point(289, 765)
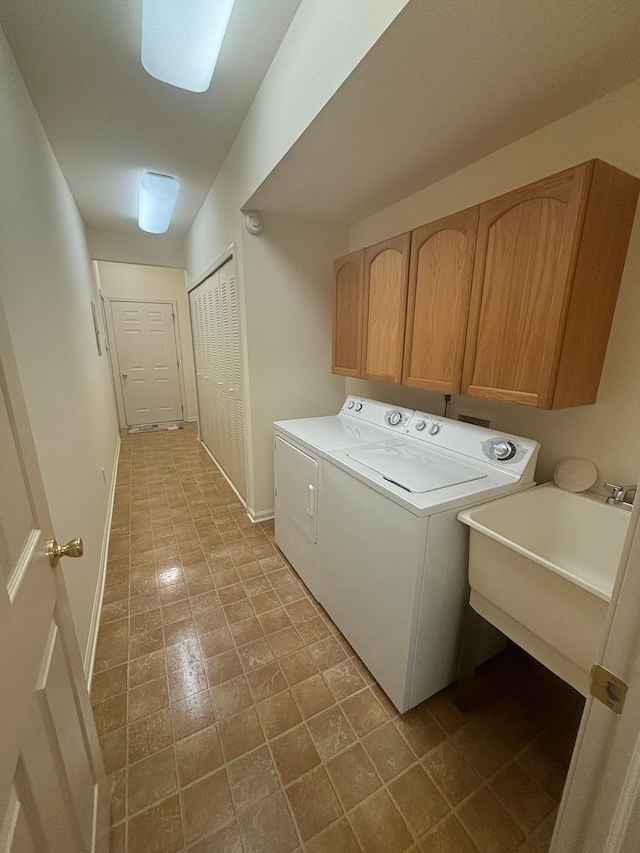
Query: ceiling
point(445, 85)
point(107, 120)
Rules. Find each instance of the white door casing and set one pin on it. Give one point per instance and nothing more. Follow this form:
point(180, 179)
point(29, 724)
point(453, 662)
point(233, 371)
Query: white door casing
point(53, 790)
point(147, 361)
point(600, 809)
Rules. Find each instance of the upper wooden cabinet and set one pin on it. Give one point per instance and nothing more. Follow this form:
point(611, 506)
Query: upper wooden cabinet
point(386, 267)
point(512, 300)
point(348, 302)
point(438, 303)
point(549, 258)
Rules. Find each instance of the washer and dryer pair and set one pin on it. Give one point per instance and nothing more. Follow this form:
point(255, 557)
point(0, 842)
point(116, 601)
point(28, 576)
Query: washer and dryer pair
point(365, 507)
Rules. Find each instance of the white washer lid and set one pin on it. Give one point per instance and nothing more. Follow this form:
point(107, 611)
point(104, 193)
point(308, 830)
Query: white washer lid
point(415, 469)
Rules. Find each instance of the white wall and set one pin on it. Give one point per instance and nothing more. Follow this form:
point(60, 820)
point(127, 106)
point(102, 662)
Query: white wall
point(47, 289)
point(607, 432)
point(288, 304)
point(138, 281)
point(136, 248)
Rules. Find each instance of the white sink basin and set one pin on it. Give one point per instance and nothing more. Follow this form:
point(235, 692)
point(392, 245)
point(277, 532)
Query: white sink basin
point(542, 565)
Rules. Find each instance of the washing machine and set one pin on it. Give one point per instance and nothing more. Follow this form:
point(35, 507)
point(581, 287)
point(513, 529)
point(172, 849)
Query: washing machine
point(392, 566)
point(298, 449)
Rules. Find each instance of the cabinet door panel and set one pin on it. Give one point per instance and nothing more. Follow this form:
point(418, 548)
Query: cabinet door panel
point(386, 274)
point(348, 276)
point(526, 249)
point(437, 308)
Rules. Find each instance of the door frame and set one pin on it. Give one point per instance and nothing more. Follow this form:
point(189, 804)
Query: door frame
point(113, 353)
point(600, 808)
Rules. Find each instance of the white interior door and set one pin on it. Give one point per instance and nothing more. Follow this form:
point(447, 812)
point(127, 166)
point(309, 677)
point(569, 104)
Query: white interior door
point(53, 790)
point(147, 356)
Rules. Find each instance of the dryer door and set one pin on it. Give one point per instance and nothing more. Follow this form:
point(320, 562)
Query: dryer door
point(296, 509)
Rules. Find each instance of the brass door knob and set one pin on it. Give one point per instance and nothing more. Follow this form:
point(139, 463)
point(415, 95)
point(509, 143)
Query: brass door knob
point(74, 548)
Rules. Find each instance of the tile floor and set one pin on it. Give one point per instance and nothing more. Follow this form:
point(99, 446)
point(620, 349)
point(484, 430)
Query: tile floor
point(234, 717)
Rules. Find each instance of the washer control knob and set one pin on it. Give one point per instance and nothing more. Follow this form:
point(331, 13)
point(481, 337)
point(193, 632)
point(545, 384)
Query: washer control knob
point(434, 429)
point(394, 418)
point(358, 407)
point(502, 449)
point(421, 425)
point(350, 404)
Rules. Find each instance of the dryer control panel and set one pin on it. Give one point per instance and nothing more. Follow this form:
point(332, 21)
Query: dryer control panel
point(508, 452)
point(377, 413)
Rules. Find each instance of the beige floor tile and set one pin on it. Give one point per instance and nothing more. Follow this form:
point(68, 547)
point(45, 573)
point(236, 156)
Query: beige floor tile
point(231, 696)
point(278, 714)
point(158, 829)
point(388, 751)
point(312, 695)
point(379, 827)
point(338, 837)
point(447, 837)
point(240, 734)
point(109, 683)
point(255, 654)
point(252, 778)
point(268, 827)
point(453, 776)
point(223, 667)
point(353, 776)
point(526, 802)
point(266, 681)
point(314, 803)
point(418, 799)
point(206, 805)
point(151, 780)
point(297, 666)
point(331, 732)
point(227, 840)
point(483, 751)
point(364, 712)
point(488, 824)
point(294, 754)
point(192, 714)
point(343, 679)
point(198, 755)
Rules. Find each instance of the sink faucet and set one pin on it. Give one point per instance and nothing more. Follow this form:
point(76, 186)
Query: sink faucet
point(621, 496)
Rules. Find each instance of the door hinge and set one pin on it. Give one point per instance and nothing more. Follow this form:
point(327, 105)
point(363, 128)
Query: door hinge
point(607, 688)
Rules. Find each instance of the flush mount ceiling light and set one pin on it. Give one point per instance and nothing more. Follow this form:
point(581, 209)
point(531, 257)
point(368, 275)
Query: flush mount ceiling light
point(158, 194)
point(181, 40)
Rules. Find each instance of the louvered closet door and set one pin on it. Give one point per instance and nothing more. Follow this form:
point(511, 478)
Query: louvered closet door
point(215, 322)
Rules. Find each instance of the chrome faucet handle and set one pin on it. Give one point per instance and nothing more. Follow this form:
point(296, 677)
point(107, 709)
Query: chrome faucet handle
point(617, 492)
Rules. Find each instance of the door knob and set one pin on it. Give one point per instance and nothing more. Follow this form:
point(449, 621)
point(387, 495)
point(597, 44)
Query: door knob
point(124, 375)
point(74, 548)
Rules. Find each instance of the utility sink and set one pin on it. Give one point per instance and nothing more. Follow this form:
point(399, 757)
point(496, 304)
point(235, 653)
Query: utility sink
point(542, 565)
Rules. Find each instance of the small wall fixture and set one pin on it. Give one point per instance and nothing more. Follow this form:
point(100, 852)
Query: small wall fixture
point(158, 194)
point(181, 40)
point(253, 223)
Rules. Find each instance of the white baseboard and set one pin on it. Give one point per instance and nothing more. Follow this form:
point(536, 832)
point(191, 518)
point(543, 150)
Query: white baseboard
point(257, 517)
point(223, 472)
point(94, 627)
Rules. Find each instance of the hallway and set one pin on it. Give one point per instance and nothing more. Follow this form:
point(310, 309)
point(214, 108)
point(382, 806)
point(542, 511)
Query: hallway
point(234, 718)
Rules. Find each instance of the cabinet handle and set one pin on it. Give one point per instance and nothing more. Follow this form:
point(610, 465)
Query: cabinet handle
point(311, 501)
